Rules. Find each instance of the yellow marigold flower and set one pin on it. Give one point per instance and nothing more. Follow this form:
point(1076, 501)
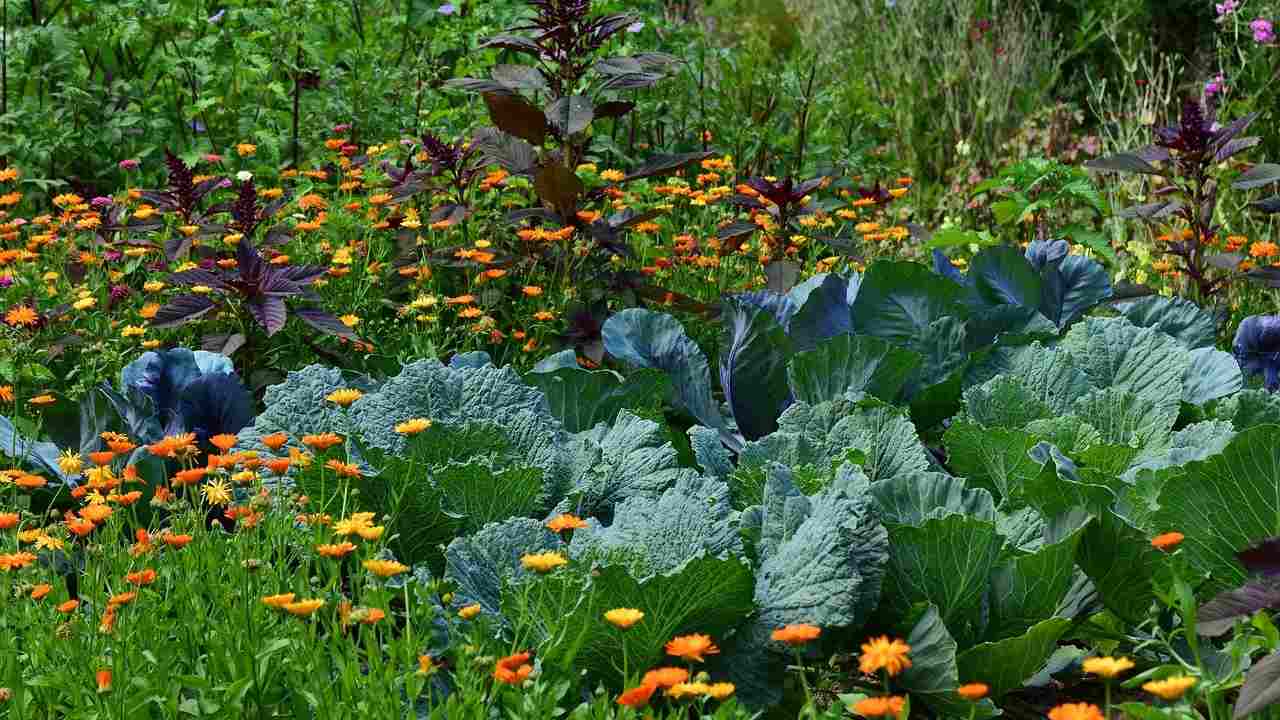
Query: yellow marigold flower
point(623, 617)
point(216, 493)
point(469, 612)
point(385, 568)
point(344, 396)
point(543, 562)
point(302, 608)
point(350, 320)
point(613, 176)
point(679, 691)
point(246, 149)
point(278, 601)
point(884, 654)
point(337, 550)
point(153, 286)
point(561, 523)
point(132, 331)
point(45, 399)
point(720, 690)
point(1107, 667)
point(1076, 711)
point(425, 665)
point(413, 426)
point(70, 463)
point(1171, 688)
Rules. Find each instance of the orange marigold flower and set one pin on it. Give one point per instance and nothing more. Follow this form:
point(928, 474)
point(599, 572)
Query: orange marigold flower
point(8, 521)
point(884, 654)
point(303, 608)
point(692, 647)
point(80, 526)
point(279, 466)
point(278, 601)
point(561, 523)
point(1167, 541)
point(1076, 711)
point(513, 669)
point(30, 482)
point(190, 477)
point(879, 706)
point(21, 315)
point(122, 599)
point(224, 441)
point(275, 440)
point(16, 561)
point(665, 677)
point(176, 541)
point(637, 697)
point(69, 606)
point(338, 550)
point(104, 680)
point(141, 577)
point(40, 591)
point(343, 469)
point(44, 399)
point(796, 635)
point(321, 442)
point(973, 692)
point(102, 457)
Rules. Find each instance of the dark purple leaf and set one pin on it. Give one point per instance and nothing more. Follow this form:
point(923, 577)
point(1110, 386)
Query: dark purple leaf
point(325, 322)
point(222, 343)
point(1228, 132)
point(615, 66)
point(177, 246)
point(630, 217)
point(666, 164)
point(1232, 147)
point(515, 116)
point(558, 187)
point(1225, 261)
point(1270, 205)
point(513, 154)
point(631, 81)
point(1123, 162)
point(1257, 176)
point(570, 115)
point(477, 85)
point(608, 26)
point(1261, 687)
point(182, 309)
point(736, 230)
point(451, 214)
point(269, 311)
point(1151, 211)
point(1220, 614)
point(614, 108)
point(301, 275)
point(782, 275)
point(1263, 557)
point(519, 77)
point(199, 276)
point(513, 42)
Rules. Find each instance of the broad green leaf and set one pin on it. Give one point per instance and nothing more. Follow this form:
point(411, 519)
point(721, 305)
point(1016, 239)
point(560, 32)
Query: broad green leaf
point(480, 565)
point(1182, 319)
point(934, 676)
point(1126, 418)
point(918, 497)
point(1249, 408)
point(849, 365)
point(1120, 561)
point(1114, 353)
point(1029, 588)
point(946, 562)
point(1001, 275)
point(631, 457)
point(1004, 401)
point(1224, 504)
point(1005, 664)
point(1212, 374)
point(991, 457)
point(1052, 376)
point(898, 300)
point(581, 398)
point(753, 367)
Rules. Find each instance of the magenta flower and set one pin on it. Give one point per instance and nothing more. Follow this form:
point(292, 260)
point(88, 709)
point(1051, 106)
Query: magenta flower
point(129, 164)
point(1263, 32)
point(1227, 7)
point(1215, 86)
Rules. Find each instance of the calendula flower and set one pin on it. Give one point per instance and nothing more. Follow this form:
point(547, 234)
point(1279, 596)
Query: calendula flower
point(623, 617)
point(122, 599)
point(413, 426)
point(40, 591)
point(217, 493)
point(973, 692)
point(303, 608)
point(561, 523)
point(104, 680)
point(1171, 688)
point(680, 691)
point(68, 607)
point(637, 697)
point(665, 677)
point(1168, 541)
point(426, 665)
point(385, 568)
point(8, 521)
point(513, 669)
point(344, 397)
point(796, 635)
point(543, 562)
point(338, 550)
point(278, 601)
point(21, 316)
point(321, 442)
point(1076, 711)
point(371, 533)
point(275, 440)
point(343, 469)
point(469, 612)
point(691, 647)
point(224, 441)
point(43, 399)
point(720, 690)
point(884, 654)
point(1107, 667)
point(141, 577)
point(890, 706)
point(176, 541)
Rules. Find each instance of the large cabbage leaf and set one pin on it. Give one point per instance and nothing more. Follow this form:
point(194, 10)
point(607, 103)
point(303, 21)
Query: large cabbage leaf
point(582, 398)
point(482, 564)
point(849, 366)
point(753, 367)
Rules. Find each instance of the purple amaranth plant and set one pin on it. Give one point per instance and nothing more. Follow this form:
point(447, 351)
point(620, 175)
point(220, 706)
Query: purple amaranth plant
point(254, 285)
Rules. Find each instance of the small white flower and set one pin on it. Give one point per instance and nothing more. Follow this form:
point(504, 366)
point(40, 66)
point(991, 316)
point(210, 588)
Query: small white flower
point(244, 176)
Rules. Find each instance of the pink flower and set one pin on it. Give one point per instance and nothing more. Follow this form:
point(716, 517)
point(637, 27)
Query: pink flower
point(1215, 86)
point(129, 164)
point(1263, 33)
point(1226, 7)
